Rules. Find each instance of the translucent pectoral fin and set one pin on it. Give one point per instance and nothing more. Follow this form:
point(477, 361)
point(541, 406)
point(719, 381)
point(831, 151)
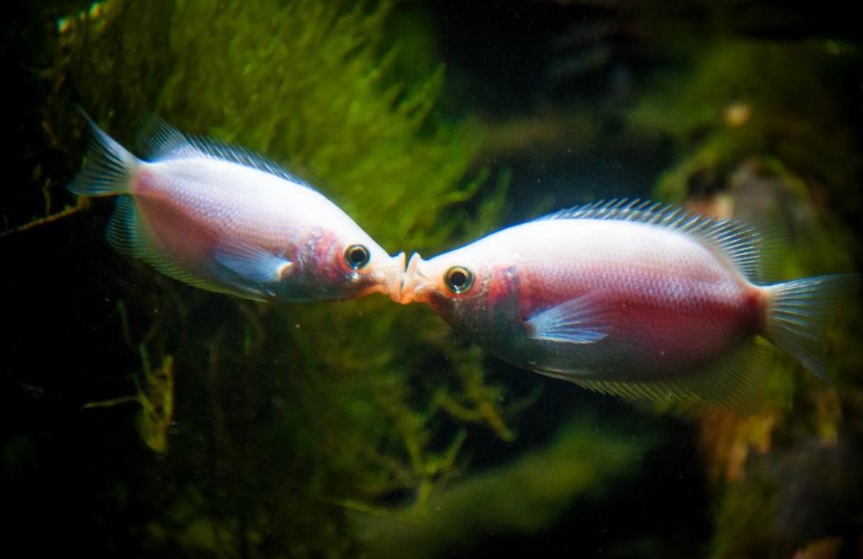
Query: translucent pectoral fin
point(254, 264)
point(582, 320)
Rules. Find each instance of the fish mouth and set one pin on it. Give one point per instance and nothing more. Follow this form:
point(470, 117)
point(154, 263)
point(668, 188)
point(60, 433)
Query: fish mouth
point(413, 282)
point(392, 277)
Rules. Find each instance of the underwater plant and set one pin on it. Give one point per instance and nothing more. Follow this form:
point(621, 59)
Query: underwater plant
point(759, 135)
point(271, 422)
point(523, 496)
point(145, 418)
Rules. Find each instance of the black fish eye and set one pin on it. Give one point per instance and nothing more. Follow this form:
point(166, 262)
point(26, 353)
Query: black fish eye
point(458, 279)
point(357, 256)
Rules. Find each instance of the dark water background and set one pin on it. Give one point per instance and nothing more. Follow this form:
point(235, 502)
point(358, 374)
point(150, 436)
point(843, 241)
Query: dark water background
point(549, 83)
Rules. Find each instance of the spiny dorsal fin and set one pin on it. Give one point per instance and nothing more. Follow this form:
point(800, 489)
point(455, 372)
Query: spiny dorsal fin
point(739, 243)
point(158, 140)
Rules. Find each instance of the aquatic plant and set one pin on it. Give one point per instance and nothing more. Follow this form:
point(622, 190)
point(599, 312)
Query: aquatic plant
point(286, 417)
point(746, 97)
point(523, 496)
point(759, 135)
point(289, 422)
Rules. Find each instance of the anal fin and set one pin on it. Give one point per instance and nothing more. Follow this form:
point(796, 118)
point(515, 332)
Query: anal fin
point(736, 381)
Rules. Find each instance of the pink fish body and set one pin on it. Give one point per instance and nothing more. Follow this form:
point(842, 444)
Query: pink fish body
point(629, 298)
point(224, 219)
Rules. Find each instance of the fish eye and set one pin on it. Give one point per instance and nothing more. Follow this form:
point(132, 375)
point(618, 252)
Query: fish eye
point(458, 279)
point(357, 256)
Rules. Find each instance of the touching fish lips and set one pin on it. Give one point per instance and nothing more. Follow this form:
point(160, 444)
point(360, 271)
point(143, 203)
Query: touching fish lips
point(385, 276)
point(173, 204)
point(394, 276)
point(413, 282)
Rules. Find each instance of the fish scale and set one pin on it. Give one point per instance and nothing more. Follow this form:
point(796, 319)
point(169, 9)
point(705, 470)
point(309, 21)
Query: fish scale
point(632, 298)
point(224, 219)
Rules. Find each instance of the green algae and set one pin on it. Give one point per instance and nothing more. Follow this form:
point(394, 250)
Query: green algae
point(523, 496)
point(293, 415)
point(759, 133)
point(746, 97)
point(292, 422)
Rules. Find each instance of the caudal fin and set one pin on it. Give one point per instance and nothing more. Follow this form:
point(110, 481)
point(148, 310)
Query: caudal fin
point(798, 313)
point(108, 166)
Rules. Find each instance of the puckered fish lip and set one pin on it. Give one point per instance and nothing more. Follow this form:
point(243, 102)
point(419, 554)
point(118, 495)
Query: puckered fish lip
point(394, 276)
point(385, 277)
point(413, 282)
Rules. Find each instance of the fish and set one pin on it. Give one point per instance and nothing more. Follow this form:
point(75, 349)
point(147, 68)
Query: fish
point(225, 219)
point(633, 298)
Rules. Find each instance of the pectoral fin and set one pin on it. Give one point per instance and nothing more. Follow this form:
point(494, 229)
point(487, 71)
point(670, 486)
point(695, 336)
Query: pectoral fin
point(582, 320)
point(254, 264)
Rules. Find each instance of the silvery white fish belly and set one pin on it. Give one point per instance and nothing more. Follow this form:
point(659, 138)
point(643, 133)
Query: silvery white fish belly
point(227, 220)
point(630, 298)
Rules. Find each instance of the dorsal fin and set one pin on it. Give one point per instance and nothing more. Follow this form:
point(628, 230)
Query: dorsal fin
point(158, 140)
point(739, 243)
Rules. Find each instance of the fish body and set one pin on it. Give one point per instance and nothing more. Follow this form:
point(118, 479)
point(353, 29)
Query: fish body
point(227, 220)
point(627, 297)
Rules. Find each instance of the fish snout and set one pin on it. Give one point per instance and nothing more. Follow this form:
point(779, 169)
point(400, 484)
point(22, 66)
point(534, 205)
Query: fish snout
point(393, 276)
point(413, 282)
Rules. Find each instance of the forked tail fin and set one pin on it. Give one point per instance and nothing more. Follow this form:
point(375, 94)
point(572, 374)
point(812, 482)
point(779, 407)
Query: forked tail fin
point(108, 166)
point(798, 312)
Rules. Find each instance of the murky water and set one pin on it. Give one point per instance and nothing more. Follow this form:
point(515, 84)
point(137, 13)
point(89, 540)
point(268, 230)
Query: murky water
point(143, 417)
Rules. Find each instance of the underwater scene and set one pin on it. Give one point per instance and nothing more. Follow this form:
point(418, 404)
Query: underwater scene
point(432, 278)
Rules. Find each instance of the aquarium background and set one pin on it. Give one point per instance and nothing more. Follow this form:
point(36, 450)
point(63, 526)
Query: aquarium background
point(144, 418)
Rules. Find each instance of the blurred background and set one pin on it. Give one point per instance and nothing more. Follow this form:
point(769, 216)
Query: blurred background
point(144, 418)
